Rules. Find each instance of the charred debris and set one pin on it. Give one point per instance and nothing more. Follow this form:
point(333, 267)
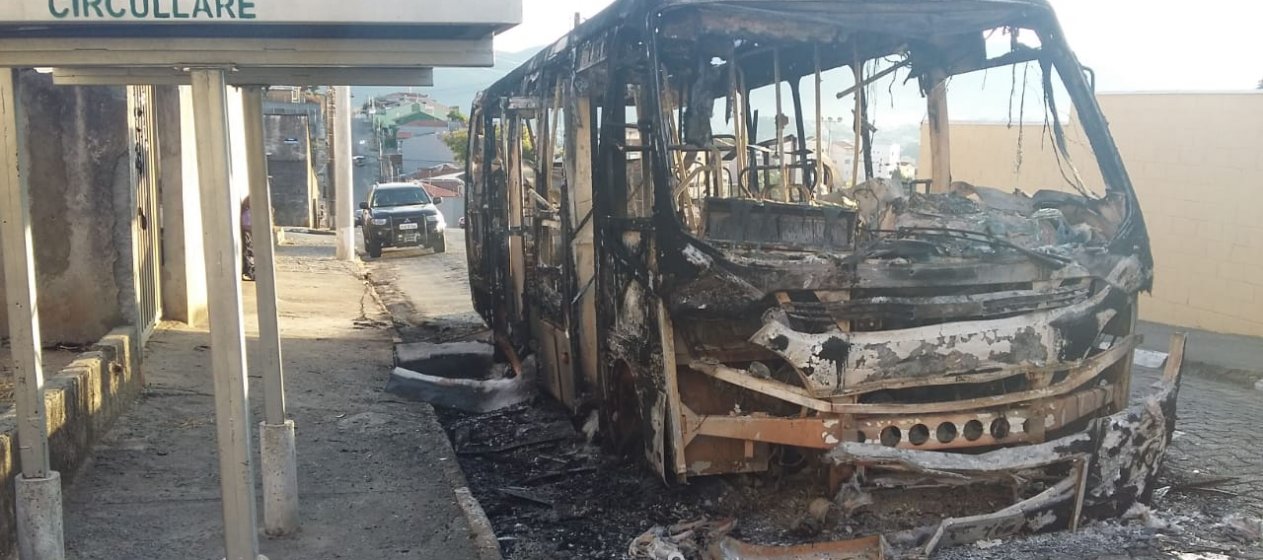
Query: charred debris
point(698, 267)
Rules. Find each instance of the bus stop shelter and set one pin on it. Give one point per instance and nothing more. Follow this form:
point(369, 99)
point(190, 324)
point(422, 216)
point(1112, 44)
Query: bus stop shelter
point(211, 45)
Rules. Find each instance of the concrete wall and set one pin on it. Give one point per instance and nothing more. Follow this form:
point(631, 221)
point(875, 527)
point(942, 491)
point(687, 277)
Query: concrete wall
point(184, 234)
point(1194, 160)
point(184, 266)
point(987, 154)
point(83, 400)
point(319, 133)
point(295, 191)
point(80, 180)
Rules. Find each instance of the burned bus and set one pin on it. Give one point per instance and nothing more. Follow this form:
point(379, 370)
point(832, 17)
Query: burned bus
point(682, 210)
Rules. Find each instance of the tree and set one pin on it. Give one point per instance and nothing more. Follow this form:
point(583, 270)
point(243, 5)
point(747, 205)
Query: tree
point(458, 142)
point(457, 116)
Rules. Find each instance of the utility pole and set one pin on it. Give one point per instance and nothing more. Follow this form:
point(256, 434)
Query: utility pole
point(344, 176)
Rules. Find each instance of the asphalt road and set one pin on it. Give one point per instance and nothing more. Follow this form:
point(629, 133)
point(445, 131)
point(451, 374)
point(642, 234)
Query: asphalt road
point(364, 145)
point(426, 291)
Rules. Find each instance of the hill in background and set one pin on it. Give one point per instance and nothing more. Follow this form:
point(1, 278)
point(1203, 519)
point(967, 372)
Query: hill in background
point(456, 87)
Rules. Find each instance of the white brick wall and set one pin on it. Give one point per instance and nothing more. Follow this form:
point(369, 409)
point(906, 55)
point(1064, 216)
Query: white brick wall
point(1196, 160)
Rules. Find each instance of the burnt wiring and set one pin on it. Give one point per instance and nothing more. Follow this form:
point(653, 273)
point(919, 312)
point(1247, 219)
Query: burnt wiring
point(1059, 134)
point(1021, 120)
point(1015, 46)
point(894, 79)
point(1012, 93)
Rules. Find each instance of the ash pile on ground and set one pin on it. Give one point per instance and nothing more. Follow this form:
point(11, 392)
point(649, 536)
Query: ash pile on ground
point(550, 494)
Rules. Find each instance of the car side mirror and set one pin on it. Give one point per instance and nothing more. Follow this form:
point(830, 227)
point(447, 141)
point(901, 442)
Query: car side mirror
point(438, 200)
point(363, 206)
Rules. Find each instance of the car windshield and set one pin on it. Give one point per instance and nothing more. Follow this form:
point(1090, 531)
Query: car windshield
point(400, 197)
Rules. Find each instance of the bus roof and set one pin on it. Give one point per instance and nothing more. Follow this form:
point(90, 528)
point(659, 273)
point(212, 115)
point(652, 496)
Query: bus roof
point(953, 16)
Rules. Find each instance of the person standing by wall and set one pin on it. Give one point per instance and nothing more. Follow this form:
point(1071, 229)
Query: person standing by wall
point(247, 242)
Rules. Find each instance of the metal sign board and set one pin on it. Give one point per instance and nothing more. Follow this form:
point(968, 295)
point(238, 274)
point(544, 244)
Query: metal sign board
point(496, 14)
point(402, 77)
point(390, 35)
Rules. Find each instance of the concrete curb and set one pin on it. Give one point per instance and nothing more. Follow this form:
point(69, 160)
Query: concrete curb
point(1228, 358)
point(83, 400)
point(1244, 378)
point(485, 541)
point(484, 537)
point(309, 231)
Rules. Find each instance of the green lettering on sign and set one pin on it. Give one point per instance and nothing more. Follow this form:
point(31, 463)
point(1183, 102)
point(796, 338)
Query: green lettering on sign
point(116, 14)
point(225, 6)
point(203, 7)
point(59, 14)
point(95, 5)
point(151, 9)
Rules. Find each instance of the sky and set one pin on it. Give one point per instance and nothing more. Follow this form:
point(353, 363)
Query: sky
point(1133, 45)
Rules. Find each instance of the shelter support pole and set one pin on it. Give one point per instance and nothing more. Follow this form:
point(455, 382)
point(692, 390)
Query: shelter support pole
point(222, 238)
point(344, 177)
point(39, 514)
point(279, 463)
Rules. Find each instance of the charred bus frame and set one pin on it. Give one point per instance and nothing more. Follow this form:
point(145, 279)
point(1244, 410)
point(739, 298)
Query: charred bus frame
point(721, 300)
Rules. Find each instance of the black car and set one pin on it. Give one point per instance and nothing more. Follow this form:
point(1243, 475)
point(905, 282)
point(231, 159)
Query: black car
point(401, 215)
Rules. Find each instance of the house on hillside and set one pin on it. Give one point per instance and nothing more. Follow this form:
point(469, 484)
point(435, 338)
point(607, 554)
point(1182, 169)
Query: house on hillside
point(439, 170)
point(454, 182)
point(413, 127)
point(420, 102)
point(446, 175)
point(420, 137)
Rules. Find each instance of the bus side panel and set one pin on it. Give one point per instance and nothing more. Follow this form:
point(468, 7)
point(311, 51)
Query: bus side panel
point(578, 154)
point(477, 218)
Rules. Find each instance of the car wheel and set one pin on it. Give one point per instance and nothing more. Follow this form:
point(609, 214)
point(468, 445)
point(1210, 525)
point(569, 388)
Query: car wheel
point(441, 246)
point(374, 250)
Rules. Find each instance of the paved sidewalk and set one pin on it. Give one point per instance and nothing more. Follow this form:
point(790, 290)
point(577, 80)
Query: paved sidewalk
point(1227, 357)
point(371, 470)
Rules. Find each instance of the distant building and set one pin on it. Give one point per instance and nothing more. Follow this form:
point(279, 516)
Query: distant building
point(412, 126)
point(284, 94)
point(412, 102)
point(453, 206)
point(422, 146)
point(439, 171)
